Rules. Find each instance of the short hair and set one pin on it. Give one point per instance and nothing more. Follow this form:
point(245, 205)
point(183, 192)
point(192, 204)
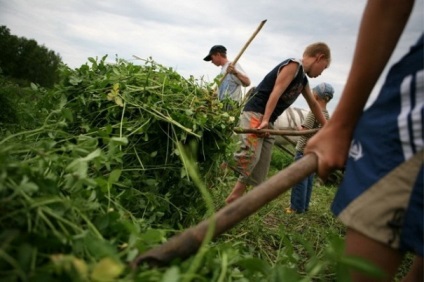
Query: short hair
point(222, 53)
point(318, 48)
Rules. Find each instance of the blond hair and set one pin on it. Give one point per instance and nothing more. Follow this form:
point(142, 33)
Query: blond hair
point(318, 48)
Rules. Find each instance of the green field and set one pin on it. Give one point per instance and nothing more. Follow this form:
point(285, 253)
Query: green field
point(115, 159)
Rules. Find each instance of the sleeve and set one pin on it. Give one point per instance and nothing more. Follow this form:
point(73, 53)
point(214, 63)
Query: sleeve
point(309, 121)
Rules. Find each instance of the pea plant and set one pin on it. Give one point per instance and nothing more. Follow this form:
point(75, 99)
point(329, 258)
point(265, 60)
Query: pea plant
point(116, 159)
point(101, 179)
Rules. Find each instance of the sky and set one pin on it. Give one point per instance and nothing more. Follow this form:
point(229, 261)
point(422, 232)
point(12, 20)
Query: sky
point(179, 34)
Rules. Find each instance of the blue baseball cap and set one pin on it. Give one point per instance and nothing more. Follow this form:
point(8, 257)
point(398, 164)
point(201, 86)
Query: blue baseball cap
point(324, 90)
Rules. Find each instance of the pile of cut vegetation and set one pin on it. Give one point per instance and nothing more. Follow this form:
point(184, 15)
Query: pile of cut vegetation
point(102, 178)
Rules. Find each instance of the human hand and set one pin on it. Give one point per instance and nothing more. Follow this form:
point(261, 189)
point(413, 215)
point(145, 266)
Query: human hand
point(263, 125)
point(231, 69)
point(331, 146)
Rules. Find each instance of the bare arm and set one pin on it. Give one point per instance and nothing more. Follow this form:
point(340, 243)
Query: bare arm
point(283, 80)
point(381, 26)
point(314, 105)
point(244, 79)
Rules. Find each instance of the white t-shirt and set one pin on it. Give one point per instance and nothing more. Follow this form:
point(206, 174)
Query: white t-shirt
point(231, 85)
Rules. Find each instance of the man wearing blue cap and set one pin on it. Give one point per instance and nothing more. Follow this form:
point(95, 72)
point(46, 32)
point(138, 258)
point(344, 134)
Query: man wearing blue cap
point(235, 77)
point(301, 193)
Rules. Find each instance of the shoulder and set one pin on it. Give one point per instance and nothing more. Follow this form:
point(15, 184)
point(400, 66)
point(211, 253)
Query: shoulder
point(293, 63)
point(289, 61)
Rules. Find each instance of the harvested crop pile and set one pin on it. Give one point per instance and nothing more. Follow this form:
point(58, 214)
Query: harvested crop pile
point(87, 188)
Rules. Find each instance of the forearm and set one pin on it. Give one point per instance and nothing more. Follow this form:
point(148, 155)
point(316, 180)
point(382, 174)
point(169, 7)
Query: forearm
point(270, 106)
point(381, 26)
point(244, 79)
point(315, 107)
point(317, 111)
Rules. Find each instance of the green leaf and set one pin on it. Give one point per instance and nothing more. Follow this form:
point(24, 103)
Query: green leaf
point(107, 269)
point(189, 112)
point(96, 153)
point(27, 186)
point(283, 273)
point(172, 274)
point(100, 248)
point(67, 113)
point(74, 80)
point(114, 176)
point(25, 252)
point(154, 154)
point(152, 236)
point(254, 264)
point(119, 140)
point(34, 87)
point(78, 167)
point(116, 71)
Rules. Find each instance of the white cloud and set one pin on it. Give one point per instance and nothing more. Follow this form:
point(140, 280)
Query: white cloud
point(179, 34)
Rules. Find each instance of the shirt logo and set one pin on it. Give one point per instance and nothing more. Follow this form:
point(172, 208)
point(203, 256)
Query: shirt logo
point(355, 150)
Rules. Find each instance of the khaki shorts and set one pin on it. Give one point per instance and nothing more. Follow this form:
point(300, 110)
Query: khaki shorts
point(253, 158)
point(389, 210)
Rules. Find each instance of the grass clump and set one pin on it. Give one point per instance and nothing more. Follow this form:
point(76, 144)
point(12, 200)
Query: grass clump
point(118, 158)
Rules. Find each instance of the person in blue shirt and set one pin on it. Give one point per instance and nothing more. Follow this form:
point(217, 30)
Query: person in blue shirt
point(380, 199)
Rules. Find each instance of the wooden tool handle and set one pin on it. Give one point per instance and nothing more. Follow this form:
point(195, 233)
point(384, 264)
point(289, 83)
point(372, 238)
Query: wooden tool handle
point(234, 62)
point(275, 131)
point(188, 242)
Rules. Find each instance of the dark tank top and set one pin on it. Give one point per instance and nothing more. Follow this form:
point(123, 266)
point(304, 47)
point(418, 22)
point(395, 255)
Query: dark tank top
point(257, 102)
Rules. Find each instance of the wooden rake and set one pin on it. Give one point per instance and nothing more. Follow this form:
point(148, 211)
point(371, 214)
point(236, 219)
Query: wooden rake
point(187, 243)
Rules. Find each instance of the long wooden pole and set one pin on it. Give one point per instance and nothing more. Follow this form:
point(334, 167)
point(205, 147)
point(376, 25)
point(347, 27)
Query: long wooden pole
point(234, 62)
point(188, 242)
point(262, 23)
point(239, 130)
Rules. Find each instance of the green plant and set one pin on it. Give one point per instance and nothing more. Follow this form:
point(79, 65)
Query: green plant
point(104, 170)
point(122, 157)
point(279, 160)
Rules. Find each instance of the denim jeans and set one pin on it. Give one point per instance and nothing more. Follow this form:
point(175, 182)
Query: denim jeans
point(301, 192)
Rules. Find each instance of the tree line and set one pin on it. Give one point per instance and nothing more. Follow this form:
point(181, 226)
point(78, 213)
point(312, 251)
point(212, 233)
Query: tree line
point(25, 60)
point(24, 63)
